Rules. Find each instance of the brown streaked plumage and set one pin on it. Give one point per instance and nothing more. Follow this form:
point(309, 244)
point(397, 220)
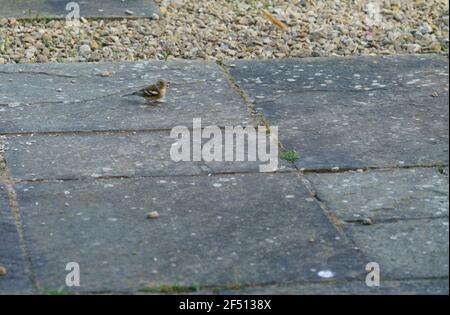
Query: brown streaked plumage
point(154, 92)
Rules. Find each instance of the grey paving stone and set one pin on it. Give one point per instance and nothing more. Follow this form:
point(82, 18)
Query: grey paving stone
point(94, 155)
point(408, 209)
point(384, 194)
point(354, 112)
point(74, 97)
point(74, 156)
point(406, 248)
point(57, 8)
point(17, 279)
point(405, 287)
point(212, 230)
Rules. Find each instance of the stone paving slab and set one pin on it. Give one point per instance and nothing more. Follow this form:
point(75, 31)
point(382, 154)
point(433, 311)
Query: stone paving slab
point(97, 8)
point(75, 97)
point(74, 156)
point(17, 279)
point(407, 248)
point(384, 195)
point(354, 112)
point(408, 211)
point(212, 230)
point(404, 287)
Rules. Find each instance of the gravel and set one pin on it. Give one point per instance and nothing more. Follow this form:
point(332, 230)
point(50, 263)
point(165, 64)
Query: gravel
point(221, 29)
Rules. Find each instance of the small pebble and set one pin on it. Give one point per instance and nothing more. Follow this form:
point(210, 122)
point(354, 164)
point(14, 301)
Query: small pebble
point(105, 74)
point(367, 221)
point(326, 274)
point(153, 215)
point(2, 271)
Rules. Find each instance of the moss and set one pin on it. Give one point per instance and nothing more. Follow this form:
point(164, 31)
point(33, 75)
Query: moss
point(291, 156)
point(172, 289)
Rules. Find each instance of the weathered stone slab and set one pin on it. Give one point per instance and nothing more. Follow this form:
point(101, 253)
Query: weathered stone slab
point(354, 112)
point(212, 230)
point(384, 195)
point(74, 156)
point(406, 248)
point(406, 212)
point(17, 279)
point(97, 8)
point(404, 287)
point(75, 97)
point(94, 155)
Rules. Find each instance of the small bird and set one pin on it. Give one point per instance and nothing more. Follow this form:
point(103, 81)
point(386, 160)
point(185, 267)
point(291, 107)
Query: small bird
point(154, 92)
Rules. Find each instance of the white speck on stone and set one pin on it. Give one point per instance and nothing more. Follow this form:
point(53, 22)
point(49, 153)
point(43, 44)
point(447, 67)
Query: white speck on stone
point(289, 196)
point(325, 274)
point(217, 185)
point(13, 104)
point(412, 81)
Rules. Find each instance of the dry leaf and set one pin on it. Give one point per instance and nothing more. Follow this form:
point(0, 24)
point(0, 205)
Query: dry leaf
point(274, 20)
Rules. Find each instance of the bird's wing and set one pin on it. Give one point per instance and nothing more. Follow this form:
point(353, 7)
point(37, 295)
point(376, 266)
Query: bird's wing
point(151, 90)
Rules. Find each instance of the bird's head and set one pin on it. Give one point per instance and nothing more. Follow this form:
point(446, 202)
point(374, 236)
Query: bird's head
point(162, 84)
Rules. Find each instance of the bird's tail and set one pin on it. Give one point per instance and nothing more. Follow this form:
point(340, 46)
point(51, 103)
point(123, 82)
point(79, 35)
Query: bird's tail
point(129, 94)
point(138, 93)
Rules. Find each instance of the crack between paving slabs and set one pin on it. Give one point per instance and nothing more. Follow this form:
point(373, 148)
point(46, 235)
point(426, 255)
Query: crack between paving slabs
point(12, 196)
point(250, 106)
point(332, 217)
point(112, 177)
point(91, 132)
point(60, 75)
point(392, 220)
point(236, 287)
